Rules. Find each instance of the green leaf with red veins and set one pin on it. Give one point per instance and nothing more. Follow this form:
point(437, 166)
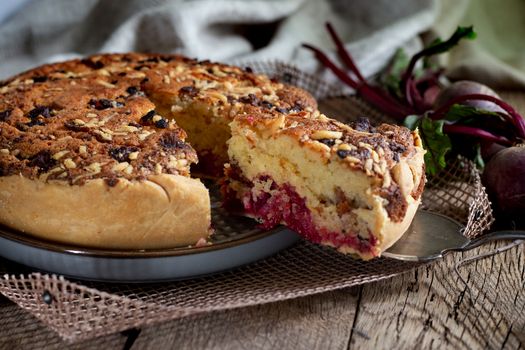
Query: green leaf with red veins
point(435, 141)
point(390, 79)
point(468, 114)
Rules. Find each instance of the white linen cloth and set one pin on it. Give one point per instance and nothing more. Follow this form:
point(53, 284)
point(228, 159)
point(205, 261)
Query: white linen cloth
point(41, 31)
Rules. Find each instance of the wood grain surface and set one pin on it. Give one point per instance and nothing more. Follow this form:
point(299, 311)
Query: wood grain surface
point(429, 308)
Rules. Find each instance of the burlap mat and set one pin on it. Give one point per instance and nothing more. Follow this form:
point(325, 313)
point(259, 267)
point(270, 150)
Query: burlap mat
point(80, 310)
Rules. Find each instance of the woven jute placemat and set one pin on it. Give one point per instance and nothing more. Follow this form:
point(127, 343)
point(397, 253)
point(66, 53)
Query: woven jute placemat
point(79, 310)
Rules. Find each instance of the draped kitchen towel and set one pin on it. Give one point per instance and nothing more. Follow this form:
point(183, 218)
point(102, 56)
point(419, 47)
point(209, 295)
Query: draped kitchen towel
point(33, 32)
point(41, 31)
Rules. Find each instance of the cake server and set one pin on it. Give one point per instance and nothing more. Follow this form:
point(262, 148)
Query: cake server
point(432, 235)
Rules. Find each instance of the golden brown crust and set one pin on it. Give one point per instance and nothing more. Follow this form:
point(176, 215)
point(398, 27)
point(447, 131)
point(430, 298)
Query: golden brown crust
point(394, 230)
point(349, 144)
point(163, 211)
point(102, 109)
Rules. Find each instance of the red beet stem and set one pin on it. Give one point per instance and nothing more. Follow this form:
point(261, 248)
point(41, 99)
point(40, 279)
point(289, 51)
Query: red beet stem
point(414, 97)
point(344, 54)
point(348, 60)
point(368, 93)
point(330, 65)
point(476, 132)
point(407, 75)
point(514, 117)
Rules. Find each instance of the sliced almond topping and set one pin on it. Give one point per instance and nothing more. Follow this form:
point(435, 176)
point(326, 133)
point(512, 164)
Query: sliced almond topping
point(44, 176)
point(352, 159)
point(103, 72)
point(369, 163)
point(105, 84)
point(120, 166)
point(137, 75)
point(326, 134)
point(176, 108)
point(104, 135)
point(69, 163)
point(218, 96)
point(228, 85)
point(95, 168)
point(59, 155)
point(79, 122)
point(143, 135)
point(365, 145)
point(375, 156)
point(218, 72)
point(346, 147)
point(128, 128)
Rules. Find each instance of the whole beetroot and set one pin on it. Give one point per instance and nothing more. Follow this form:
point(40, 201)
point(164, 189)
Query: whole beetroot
point(504, 177)
point(467, 87)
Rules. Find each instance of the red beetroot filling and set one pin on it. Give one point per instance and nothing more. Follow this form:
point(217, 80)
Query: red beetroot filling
point(285, 205)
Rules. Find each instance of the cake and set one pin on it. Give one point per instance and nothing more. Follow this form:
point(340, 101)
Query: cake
point(100, 152)
point(92, 151)
point(353, 187)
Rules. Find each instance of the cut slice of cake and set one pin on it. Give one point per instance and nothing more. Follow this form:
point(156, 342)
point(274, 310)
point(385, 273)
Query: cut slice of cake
point(355, 188)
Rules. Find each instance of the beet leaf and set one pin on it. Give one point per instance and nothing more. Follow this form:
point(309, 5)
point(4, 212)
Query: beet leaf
point(435, 141)
point(391, 77)
point(438, 46)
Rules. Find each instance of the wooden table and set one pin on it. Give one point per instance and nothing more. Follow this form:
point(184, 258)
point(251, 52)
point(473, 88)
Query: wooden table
point(427, 308)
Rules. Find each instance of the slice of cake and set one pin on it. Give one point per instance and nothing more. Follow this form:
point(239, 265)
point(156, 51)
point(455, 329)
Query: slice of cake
point(355, 188)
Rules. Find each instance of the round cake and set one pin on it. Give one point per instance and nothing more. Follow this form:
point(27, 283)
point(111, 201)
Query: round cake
point(100, 152)
point(92, 151)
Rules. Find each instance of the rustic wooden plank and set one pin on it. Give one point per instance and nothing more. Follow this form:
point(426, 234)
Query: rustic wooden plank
point(316, 322)
point(431, 308)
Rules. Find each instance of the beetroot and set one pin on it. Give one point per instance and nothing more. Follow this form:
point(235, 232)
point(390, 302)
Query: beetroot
point(467, 87)
point(504, 176)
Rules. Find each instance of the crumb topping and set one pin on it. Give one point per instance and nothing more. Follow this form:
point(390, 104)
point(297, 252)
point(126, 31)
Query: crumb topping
point(373, 150)
point(96, 118)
